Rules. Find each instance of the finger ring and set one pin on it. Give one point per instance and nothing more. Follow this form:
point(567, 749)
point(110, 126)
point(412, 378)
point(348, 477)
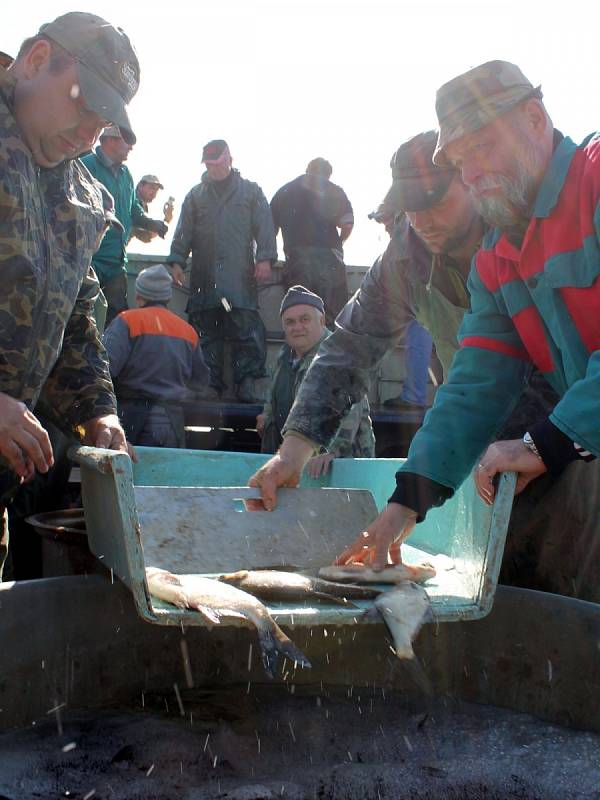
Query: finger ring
point(480, 466)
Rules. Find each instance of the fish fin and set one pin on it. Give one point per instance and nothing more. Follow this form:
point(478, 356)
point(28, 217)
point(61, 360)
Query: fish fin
point(210, 614)
point(331, 598)
point(274, 644)
point(233, 577)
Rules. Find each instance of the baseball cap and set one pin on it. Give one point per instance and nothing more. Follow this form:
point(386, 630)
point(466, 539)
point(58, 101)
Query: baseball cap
point(213, 150)
point(107, 66)
point(417, 183)
point(477, 97)
point(151, 179)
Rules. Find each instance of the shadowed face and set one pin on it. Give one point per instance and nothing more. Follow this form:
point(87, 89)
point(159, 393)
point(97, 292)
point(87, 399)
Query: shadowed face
point(445, 226)
point(502, 164)
point(303, 327)
point(50, 109)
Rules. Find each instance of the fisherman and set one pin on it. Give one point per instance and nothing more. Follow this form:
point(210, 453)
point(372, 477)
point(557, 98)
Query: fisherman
point(315, 218)
point(155, 361)
point(67, 83)
point(303, 320)
point(535, 295)
point(226, 224)
point(107, 165)
point(146, 191)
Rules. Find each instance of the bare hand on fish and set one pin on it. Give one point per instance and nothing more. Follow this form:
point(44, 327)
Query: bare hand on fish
point(382, 538)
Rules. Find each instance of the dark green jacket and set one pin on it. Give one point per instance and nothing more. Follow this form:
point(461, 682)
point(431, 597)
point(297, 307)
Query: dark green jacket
point(50, 222)
point(111, 257)
point(226, 234)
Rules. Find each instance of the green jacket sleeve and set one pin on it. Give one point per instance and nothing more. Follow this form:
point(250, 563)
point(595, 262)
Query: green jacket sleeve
point(184, 233)
point(262, 228)
point(79, 388)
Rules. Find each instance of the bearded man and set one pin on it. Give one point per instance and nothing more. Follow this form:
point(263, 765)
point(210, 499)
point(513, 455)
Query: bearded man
point(535, 300)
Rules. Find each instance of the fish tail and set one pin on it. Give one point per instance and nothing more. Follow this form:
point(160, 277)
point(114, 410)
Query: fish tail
point(274, 644)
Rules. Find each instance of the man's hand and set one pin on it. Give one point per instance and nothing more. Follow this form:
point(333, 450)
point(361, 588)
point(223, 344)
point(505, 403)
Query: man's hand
point(160, 227)
point(319, 465)
point(107, 432)
point(260, 423)
point(177, 274)
point(283, 470)
point(262, 271)
point(24, 443)
point(509, 456)
point(383, 536)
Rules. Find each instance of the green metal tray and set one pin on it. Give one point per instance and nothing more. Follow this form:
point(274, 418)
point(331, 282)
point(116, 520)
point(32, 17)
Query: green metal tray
point(464, 539)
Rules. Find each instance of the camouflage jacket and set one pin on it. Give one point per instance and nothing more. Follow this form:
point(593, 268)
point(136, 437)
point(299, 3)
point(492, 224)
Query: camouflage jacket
point(404, 284)
point(354, 437)
point(50, 223)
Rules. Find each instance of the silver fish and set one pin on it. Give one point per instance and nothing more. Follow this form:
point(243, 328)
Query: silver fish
point(217, 601)
point(404, 610)
point(359, 573)
point(277, 585)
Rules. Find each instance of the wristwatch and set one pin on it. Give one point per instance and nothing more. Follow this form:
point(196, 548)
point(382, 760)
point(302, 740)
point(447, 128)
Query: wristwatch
point(530, 445)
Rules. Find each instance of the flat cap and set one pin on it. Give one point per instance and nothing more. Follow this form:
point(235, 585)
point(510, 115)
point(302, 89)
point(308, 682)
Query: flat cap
point(477, 97)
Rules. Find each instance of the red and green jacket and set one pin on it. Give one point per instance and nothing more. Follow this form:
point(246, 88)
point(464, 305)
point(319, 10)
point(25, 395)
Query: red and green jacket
point(534, 305)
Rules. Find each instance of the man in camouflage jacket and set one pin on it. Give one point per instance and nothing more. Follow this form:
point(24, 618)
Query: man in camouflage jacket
point(52, 107)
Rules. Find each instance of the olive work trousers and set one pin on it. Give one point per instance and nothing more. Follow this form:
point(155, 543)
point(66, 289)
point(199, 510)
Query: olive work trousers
point(244, 329)
point(323, 272)
point(553, 541)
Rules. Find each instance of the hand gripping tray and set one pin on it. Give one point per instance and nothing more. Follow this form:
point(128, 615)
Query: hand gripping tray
point(164, 512)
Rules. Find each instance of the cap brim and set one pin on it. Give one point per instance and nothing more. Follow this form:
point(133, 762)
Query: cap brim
point(102, 98)
point(417, 194)
point(463, 123)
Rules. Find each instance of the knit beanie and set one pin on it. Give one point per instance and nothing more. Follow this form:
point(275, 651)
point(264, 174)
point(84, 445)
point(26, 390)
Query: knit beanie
point(300, 296)
point(155, 283)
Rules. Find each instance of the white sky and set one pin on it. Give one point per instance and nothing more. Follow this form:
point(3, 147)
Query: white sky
point(286, 81)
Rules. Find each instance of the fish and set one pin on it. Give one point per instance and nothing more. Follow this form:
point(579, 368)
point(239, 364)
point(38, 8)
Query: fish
point(216, 601)
point(278, 585)
point(404, 610)
point(359, 573)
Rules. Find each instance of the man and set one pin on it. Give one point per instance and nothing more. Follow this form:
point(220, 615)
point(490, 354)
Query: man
point(535, 295)
point(146, 191)
point(68, 82)
point(110, 261)
point(226, 224)
point(303, 320)
point(315, 218)
point(155, 359)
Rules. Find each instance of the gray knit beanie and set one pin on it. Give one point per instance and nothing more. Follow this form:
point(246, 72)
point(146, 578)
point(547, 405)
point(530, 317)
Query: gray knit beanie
point(155, 283)
point(300, 296)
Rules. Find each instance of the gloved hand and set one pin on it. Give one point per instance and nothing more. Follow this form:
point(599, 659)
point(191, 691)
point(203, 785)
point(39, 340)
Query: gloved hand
point(160, 227)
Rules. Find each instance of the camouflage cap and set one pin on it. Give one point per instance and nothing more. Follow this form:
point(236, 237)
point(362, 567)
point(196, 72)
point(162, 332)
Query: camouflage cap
point(417, 182)
point(477, 97)
point(107, 66)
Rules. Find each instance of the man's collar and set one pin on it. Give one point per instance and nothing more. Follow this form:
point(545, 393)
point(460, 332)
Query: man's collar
point(553, 181)
point(107, 161)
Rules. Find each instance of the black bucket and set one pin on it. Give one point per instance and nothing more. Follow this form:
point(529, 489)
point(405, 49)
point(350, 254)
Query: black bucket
point(65, 548)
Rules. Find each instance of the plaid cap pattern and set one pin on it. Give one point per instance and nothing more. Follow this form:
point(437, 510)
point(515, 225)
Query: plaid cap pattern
point(477, 97)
